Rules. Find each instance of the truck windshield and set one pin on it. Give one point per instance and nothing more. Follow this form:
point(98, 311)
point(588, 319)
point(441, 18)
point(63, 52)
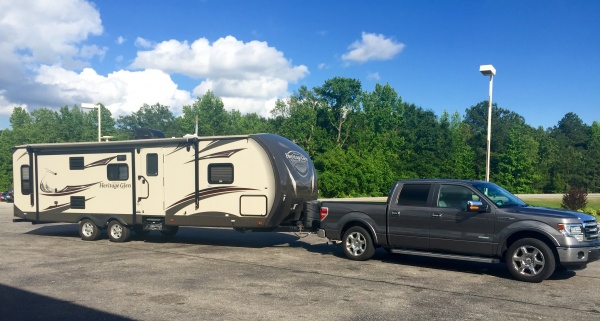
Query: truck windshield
point(499, 195)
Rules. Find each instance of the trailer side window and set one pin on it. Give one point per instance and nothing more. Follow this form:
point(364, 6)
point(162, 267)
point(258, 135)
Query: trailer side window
point(117, 172)
point(152, 164)
point(220, 173)
point(25, 181)
point(75, 163)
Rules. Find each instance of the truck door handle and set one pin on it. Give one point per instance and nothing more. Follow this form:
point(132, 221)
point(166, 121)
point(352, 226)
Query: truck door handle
point(395, 213)
point(436, 215)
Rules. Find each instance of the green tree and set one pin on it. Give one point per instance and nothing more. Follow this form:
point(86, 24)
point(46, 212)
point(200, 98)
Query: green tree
point(341, 96)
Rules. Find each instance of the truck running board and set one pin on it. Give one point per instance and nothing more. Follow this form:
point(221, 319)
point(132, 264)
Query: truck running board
point(447, 256)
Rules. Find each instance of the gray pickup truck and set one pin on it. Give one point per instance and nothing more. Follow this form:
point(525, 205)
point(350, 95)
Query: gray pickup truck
point(463, 220)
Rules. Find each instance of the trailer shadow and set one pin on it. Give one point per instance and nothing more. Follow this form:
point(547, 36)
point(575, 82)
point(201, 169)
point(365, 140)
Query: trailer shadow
point(226, 237)
point(17, 304)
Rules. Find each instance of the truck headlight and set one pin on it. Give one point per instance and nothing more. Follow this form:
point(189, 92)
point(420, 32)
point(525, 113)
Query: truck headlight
point(572, 229)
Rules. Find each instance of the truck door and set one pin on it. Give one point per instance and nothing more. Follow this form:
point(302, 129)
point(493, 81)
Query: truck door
point(409, 217)
point(149, 181)
point(455, 229)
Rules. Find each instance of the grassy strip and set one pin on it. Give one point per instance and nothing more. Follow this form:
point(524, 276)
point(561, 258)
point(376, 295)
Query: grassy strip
point(593, 204)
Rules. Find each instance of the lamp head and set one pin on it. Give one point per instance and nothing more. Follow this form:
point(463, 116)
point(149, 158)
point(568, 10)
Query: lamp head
point(487, 70)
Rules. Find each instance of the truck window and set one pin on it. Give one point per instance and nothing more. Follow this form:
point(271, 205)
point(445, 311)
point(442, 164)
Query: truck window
point(455, 196)
point(414, 194)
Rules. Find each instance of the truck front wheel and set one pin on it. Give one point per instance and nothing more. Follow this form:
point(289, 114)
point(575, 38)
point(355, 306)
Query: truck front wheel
point(358, 244)
point(530, 260)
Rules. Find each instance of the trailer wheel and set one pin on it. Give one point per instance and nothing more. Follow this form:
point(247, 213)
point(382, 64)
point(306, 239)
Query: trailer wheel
point(118, 232)
point(358, 244)
point(530, 260)
point(170, 230)
point(88, 230)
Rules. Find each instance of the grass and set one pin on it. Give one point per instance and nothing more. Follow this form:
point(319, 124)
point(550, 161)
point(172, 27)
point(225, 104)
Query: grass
point(593, 203)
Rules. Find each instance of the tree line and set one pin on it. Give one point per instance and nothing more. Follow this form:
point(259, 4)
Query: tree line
point(360, 141)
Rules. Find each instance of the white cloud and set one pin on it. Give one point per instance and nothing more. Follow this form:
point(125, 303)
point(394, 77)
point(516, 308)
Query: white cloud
point(143, 43)
point(45, 56)
point(122, 92)
point(374, 76)
point(44, 30)
point(250, 74)
point(372, 47)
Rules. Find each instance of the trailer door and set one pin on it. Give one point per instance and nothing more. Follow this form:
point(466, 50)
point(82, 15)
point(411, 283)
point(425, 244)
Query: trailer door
point(150, 181)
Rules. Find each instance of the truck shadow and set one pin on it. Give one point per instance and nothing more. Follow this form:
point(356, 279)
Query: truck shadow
point(498, 270)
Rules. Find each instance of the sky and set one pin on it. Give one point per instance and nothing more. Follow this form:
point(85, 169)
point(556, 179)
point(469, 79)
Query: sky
point(125, 54)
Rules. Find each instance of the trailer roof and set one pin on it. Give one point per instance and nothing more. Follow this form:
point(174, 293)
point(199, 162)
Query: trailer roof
point(128, 143)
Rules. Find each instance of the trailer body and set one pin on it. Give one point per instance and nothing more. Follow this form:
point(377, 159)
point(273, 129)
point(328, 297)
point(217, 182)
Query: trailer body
point(258, 181)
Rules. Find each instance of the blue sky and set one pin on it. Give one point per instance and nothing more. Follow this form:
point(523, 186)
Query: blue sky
point(250, 53)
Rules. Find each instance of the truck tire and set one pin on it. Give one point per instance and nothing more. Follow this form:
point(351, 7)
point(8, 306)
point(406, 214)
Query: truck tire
point(530, 260)
point(358, 244)
point(118, 232)
point(88, 230)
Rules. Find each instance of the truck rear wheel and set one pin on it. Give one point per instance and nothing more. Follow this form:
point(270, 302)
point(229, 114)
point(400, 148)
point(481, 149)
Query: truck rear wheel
point(88, 230)
point(530, 260)
point(358, 244)
point(118, 232)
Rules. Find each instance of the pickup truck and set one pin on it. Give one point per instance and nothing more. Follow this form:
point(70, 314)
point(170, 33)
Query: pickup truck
point(462, 220)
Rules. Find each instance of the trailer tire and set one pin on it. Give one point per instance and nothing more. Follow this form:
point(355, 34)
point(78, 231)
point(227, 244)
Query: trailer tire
point(170, 231)
point(358, 244)
point(530, 260)
point(118, 232)
point(88, 230)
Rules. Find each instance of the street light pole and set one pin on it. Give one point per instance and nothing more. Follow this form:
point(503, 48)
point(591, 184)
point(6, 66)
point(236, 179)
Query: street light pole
point(93, 106)
point(488, 70)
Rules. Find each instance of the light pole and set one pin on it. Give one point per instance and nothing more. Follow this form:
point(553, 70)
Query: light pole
point(95, 106)
point(488, 70)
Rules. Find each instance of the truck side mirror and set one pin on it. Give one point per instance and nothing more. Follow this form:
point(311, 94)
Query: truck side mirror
point(477, 206)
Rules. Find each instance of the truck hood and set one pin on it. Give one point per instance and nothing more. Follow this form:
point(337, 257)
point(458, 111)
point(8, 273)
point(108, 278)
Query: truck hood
point(549, 212)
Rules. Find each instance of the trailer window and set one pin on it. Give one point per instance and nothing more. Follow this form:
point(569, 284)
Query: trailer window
point(117, 172)
point(25, 181)
point(152, 164)
point(220, 173)
point(75, 163)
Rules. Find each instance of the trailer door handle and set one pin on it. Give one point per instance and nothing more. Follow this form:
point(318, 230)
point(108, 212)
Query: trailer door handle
point(395, 213)
point(436, 215)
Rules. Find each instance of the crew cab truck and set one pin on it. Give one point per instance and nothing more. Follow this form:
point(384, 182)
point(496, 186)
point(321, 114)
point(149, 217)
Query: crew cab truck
point(462, 220)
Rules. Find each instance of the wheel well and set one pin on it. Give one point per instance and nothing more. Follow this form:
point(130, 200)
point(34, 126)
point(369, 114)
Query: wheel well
point(529, 234)
point(361, 224)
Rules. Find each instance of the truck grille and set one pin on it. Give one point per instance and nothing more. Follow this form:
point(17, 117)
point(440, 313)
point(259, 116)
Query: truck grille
point(590, 229)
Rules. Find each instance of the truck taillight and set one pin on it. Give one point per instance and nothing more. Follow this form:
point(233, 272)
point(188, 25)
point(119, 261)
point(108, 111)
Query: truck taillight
point(324, 211)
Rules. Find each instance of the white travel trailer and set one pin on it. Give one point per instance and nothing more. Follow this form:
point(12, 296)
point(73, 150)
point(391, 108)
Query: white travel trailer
point(254, 182)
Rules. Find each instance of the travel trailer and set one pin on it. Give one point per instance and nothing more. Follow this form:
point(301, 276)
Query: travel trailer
point(251, 182)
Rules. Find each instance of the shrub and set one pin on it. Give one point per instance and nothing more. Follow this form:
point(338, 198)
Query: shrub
point(575, 199)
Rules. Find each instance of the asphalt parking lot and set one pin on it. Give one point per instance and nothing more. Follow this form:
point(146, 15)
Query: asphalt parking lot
point(48, 273)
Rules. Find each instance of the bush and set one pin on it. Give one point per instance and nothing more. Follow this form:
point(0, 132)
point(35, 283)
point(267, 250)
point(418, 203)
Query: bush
point(575, 199)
